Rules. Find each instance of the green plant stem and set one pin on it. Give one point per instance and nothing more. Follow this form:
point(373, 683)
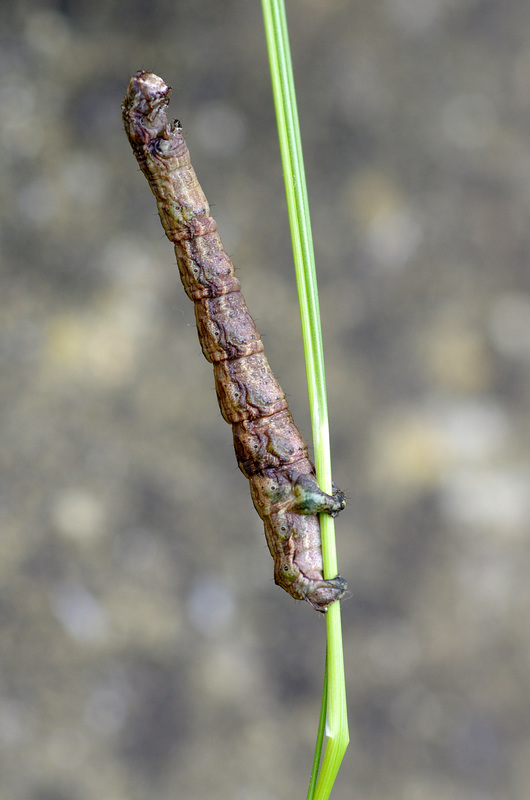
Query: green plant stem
point(299, 220)
point(320, 736)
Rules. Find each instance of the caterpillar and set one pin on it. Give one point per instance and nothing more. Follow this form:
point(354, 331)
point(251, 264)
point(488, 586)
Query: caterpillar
point(270, 450)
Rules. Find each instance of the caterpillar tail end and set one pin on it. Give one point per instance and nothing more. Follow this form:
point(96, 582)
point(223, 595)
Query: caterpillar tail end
point(321, 594)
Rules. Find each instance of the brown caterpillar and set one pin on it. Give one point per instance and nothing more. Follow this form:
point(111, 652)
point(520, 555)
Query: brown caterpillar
point(269, 448)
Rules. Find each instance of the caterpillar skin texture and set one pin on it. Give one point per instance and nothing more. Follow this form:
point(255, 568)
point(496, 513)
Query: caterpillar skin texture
point(269, 448)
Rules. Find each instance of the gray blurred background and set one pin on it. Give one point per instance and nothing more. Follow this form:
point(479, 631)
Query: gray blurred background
point(145, 650)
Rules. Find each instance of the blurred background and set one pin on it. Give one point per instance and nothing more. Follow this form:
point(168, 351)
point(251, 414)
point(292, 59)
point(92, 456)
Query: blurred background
point(145, 650)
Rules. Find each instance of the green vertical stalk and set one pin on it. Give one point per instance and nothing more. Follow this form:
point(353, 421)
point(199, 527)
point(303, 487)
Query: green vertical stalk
point(334, 696)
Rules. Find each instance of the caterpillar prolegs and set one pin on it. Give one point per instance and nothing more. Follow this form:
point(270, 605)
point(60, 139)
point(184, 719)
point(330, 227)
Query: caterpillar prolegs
point(269, 448)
